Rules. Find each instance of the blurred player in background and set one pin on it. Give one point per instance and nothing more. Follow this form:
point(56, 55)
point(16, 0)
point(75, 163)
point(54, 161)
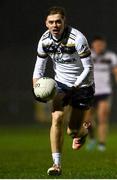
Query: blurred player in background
point(105, 63)
point(73, 67)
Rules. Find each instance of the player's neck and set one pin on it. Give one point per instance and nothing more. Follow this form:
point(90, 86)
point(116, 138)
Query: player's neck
point(56, 38)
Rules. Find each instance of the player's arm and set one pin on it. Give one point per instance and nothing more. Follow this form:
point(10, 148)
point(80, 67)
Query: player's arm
point(84, 53)
point(114, 66)
point(39, 68)
point(40, 64)
point(38, 73)
point(115, 73)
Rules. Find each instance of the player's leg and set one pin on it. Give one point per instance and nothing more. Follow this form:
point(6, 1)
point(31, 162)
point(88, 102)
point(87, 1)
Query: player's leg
point(56, 135)
point(102, 115)
point(81, 103)
point(91, 130)
point(78, 126)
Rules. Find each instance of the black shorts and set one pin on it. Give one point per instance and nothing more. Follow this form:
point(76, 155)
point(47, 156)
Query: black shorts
point(101, 97)
point(81, 98)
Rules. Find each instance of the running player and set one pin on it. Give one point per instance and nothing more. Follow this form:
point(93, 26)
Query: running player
point(68, 49)
point(105, 63)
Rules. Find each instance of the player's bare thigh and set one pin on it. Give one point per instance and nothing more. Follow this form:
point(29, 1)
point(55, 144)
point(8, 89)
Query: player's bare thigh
point(57, 108)
point(57, 104)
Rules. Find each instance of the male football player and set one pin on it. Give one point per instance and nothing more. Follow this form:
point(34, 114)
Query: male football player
point(105, 63)
point(68, 49)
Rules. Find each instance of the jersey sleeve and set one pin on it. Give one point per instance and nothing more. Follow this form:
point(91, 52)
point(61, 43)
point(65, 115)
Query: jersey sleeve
point(40, 51)
point(41, 61)
point(39, 68)
point(82, 46)
point(84, 53)
point(114, 60)
point(87, 71)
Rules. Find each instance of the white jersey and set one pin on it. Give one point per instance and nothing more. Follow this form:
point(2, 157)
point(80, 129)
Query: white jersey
point(103, 65)
point(70, 55)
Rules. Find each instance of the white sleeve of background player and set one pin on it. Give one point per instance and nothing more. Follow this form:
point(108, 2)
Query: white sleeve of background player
point(114, 60)
point(88, 68)
point(39, 67)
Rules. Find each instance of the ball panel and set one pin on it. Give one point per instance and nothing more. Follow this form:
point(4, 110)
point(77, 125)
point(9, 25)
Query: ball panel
point(45, 88)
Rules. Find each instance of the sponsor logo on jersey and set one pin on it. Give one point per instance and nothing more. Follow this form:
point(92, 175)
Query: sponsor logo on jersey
point(65, 61)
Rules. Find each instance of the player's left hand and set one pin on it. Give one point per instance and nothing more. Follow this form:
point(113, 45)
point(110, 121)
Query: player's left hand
point(74, 89)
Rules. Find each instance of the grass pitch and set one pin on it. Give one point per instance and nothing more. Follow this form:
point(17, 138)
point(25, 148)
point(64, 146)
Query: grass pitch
point(25, 154)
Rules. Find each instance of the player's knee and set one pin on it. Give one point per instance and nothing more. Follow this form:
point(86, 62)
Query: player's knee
point(102, 120)
point(69, 131)
point(103, 117)
point(57, 119)
point(72, 132)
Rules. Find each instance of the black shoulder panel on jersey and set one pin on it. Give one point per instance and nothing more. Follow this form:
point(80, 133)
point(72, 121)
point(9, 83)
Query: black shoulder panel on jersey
point(66, 35)
point(45, 36)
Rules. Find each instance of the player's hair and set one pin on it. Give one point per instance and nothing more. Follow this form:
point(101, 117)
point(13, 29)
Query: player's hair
point(99, 37)
point(56, 10)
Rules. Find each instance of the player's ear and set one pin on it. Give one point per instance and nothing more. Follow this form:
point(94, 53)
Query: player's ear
point(46, 23)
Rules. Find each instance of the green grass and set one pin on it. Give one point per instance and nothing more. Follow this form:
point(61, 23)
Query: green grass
point(25, 154)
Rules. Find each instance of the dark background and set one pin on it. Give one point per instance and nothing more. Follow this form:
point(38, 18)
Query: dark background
point(21, 25)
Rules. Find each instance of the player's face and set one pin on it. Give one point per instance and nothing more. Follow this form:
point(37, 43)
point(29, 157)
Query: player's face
point(55, 23)
point(99, 46)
